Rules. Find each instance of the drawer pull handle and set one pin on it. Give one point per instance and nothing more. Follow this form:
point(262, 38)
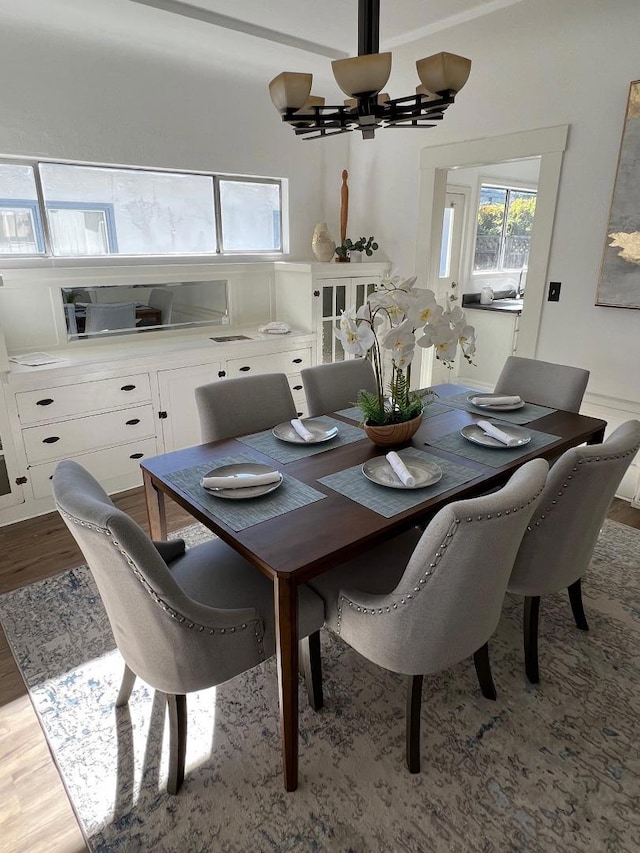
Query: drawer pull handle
point(245, 368)
point(51, 439)
point(133, 422)
point(127, 387)
point(46, 402)
point(221, 373)
point(297, 361)
point(297, 387)
point(136, 456)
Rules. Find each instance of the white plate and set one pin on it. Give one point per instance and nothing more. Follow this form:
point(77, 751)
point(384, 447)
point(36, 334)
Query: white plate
point(472, 432)
point(379, 471)
point(248, 491)
point(510, 408)
point(319, 430)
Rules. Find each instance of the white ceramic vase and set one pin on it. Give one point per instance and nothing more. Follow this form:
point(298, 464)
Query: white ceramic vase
point(322, 243)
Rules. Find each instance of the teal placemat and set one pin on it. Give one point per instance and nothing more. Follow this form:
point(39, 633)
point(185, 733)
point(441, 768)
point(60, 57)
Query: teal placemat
point(240, 514)
point(529, 412)
point(284, 452)
point(389, 502)
point(495, 457)
point(430, 410)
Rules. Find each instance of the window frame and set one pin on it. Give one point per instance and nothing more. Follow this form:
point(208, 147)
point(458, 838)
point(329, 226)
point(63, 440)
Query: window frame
point(48, 257)
point(517, 186)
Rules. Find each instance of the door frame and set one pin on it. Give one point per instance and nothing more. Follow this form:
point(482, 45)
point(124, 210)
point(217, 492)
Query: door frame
point(547, 143)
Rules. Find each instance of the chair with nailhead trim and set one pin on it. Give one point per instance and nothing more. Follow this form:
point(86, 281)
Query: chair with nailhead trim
point(560, 539)
point(423, 602)
point(558, 386)
point(183, 619)
point(334, 386)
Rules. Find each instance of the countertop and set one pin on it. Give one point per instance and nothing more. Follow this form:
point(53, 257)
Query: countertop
point(507, 306)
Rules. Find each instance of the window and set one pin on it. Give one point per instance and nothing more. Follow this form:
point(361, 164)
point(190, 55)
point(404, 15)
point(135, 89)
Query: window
point(96, 211)
point(505, 222)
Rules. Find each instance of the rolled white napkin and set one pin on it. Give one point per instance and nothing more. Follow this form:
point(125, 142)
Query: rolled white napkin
point(496, 401)
point(301, 429)
point(240, 481)
point(497, 433)
point(401, 469)
point(275, 328)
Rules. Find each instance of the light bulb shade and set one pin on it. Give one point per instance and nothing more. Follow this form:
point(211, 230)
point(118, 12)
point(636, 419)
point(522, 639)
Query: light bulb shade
point(443, 72)
point(362, 75)
point(312, 101)
point(290, 90)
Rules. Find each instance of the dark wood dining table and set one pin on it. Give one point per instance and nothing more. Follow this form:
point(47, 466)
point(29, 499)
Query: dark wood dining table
point(296, 546)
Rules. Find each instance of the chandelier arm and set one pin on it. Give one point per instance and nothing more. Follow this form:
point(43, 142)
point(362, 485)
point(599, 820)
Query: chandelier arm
point(368, 27)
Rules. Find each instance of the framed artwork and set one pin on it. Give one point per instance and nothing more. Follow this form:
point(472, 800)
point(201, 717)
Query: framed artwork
point(619, 284)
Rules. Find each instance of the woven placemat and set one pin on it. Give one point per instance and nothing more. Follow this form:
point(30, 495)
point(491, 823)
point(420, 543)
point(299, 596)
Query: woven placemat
point(285, 452)
point(389, 502)
point(240, 514)
point(529, 412)
point(495, 457)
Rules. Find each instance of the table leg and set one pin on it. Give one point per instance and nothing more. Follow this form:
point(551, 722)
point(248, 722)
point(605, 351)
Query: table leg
point(597, 437)
point(286, 606)
point(156, 514)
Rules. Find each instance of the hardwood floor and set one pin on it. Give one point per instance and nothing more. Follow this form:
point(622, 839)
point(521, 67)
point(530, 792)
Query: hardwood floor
point(36, 816)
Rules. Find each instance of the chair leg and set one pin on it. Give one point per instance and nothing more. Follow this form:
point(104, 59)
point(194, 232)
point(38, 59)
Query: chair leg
point(128, 680)
point(530, 626)
point(177, 705)
point(575, 597)
point(483, 671)
point(311, 664)
point(414, 705)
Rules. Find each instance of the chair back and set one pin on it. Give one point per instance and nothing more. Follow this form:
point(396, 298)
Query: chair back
point(335, 386)
point(70, 318)
point(107, 317)
point(558, 386)
point(171, 641)
point(162, 298)
point(449, 599)
point(242, 405)
point(559, 542)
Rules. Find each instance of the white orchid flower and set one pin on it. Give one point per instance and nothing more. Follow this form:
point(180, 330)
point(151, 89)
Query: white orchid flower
point(356, 338)
point(399, 337)
point(423, 308)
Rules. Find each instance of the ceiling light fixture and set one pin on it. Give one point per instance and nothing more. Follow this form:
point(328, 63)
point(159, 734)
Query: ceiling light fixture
point(362, 78)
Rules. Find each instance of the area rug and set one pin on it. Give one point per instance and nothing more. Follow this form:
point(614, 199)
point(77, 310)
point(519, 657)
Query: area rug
point(552, 767)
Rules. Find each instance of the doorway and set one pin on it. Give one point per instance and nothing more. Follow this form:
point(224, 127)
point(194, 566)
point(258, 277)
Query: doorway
point(546, 143)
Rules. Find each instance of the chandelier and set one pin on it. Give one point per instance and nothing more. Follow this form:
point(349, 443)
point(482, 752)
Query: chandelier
point(362, 78)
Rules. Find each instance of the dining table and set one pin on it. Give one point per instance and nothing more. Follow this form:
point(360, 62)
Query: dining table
point(327, 510)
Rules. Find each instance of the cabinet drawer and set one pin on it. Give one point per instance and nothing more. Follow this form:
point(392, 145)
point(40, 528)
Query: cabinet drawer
point(104, 465)
point(82, 398)
point(277, 362)
point(69, 438)
point(295, 383)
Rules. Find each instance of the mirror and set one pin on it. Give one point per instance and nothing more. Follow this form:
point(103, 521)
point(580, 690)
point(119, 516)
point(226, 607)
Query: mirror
point(105, 310)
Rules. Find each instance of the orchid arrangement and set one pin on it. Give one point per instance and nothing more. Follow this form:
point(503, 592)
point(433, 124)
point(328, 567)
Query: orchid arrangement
point(396, 317)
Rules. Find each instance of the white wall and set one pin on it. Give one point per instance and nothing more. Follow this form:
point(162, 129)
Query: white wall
point(94, 92)
point(539, 63)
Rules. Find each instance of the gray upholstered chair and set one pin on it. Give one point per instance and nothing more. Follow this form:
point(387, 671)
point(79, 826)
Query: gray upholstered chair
point(70, 319)
point(183, 620)
point(107, 317)
point(555, 385)
point(559, 542)
point(423, 602)
point(242, 405)
point(335, 386)
point(162, 298)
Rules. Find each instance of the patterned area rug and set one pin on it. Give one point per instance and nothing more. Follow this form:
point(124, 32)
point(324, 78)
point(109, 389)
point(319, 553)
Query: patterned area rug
point(553, 767)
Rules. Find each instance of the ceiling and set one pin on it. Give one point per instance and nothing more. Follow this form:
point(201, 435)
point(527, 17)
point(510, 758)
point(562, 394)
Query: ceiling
point(327, 27)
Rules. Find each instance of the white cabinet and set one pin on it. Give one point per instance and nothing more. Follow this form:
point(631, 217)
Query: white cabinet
point(108, 425)
point(496, 338)
point(178, 411)
point(312, 296)
point(290, 363)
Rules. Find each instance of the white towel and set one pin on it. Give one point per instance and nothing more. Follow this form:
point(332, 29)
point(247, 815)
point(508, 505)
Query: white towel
point(496, 401)
point(240, 481)
point(401, 469)
point(498, 434)
point(301, 429)
point(275, 328)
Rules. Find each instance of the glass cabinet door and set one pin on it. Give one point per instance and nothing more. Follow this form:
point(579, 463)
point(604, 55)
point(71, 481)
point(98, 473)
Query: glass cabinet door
point(337, 295)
